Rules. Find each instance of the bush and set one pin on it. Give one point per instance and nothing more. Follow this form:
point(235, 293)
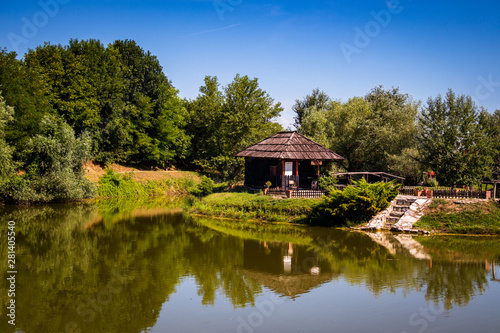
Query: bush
point(206, 186)
point(53, 162)
point(354, 205)
point(328, 183)
point(431, 182)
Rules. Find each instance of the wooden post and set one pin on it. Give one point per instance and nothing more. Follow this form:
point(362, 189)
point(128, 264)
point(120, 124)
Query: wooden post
point(282, 175)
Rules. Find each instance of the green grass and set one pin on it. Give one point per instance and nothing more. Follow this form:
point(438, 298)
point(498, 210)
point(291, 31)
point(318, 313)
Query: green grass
point(254, 206)
point(113, 185)
point(480, 218)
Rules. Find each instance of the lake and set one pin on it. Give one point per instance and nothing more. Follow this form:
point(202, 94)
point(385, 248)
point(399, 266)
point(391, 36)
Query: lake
point(128, 266)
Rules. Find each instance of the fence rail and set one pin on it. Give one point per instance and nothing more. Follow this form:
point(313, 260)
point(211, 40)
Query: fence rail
point(308, 194)
point(449, 193)
point(443, 193)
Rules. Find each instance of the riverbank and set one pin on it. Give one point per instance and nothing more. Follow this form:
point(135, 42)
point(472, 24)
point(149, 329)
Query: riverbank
point(254, 206)
point(135, 183)
point(473, 217)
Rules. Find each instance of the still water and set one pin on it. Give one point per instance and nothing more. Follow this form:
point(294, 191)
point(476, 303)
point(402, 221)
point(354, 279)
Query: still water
point(148, 267)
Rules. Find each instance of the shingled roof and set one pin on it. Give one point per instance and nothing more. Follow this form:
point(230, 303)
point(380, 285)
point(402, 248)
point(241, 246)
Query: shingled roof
point(289, 146)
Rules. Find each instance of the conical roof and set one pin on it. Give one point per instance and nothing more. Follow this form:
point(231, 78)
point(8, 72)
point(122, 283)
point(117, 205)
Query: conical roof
point(289, 146)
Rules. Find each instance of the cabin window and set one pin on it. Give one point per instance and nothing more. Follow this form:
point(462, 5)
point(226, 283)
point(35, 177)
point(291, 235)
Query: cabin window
point(288, 168)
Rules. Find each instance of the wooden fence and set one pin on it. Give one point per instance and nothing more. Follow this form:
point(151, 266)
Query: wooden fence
point(308, 194)
point(440, 192)
point(449, 193)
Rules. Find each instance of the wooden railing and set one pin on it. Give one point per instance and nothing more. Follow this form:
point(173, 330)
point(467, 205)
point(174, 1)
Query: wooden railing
point(289, 182)
point(308, 194)
point(449, 193)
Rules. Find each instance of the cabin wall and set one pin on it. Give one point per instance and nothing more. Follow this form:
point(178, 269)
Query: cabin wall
point(258, 172)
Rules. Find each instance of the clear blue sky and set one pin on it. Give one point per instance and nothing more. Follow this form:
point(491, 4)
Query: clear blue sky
point(345, 48)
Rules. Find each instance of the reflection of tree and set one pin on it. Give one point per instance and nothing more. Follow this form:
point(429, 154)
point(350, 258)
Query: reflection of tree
point(69, 256)
point(71, 271)
point(454, 283)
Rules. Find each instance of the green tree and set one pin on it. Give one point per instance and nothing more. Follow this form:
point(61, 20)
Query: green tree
point(453, 140)
point(224, 121)
point(119, 94)
point(6, 162)
point(156, 115)
point(318, 99)
point(370, 132)
point(53, 162)
point(493, 130)
point(28, 93)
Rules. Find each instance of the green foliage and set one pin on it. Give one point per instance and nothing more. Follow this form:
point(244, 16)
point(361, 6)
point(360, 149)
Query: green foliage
point(431, 182)
point(113, 184)
point(53, 161)
point(453, 140)
point(254, 206)
point(472, 218)
point(6, 162)
point(317, 100)
point(368, 132)
point(119, 94)
point(492, 122)
point(226, 120)
point(406, 164)
point(354, 205)
point(206, 186)
point(26, 90)
point(328, 183)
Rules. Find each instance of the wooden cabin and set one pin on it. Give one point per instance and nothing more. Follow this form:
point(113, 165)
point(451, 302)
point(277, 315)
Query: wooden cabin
point(287, 160)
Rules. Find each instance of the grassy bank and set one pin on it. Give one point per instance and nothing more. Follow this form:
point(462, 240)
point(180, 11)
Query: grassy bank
point(254, 206)
point(112, 185)
point(455, 217)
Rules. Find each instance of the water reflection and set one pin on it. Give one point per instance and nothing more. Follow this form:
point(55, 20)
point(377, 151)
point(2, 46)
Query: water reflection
point(112, 266)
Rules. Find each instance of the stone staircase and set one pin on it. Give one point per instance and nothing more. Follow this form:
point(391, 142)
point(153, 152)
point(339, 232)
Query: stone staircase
point(403, 212)
point(399, 209)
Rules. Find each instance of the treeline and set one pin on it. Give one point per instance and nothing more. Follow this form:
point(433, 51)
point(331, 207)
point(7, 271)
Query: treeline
point(62, 105)
point(387, 130)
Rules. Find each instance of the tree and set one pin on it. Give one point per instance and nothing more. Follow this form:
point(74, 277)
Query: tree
point(318, 99)
point(453, 140)
point(368, 132)
point(119, 94)
point(493, 130)
point(53, 162)
point(226, 120)
point(28, 93)
point(6, 162)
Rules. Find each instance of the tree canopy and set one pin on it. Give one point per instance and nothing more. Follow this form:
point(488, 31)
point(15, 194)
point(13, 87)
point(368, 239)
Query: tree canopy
point(453, 140)
point(228, 119)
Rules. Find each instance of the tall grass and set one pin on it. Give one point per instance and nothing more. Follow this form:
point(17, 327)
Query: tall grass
point(114, 185)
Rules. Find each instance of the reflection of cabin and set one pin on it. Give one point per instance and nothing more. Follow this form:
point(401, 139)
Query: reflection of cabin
point(286, 159)
point(288, 269)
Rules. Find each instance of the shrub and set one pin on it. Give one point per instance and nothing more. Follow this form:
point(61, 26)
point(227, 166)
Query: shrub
point(354, 205)
point(53, 162)
point(431, 182)
point(328, 183)
point(206, 186)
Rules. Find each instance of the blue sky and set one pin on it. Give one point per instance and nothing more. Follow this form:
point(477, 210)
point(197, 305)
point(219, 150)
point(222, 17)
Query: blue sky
point(345, 48)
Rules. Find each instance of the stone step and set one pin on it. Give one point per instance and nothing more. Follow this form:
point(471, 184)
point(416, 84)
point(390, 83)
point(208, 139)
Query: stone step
point(392, 220)
point(396, 214)
point(400, 208)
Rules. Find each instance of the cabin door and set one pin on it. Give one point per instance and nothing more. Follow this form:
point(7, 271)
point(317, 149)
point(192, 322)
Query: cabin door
point(288, 168)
